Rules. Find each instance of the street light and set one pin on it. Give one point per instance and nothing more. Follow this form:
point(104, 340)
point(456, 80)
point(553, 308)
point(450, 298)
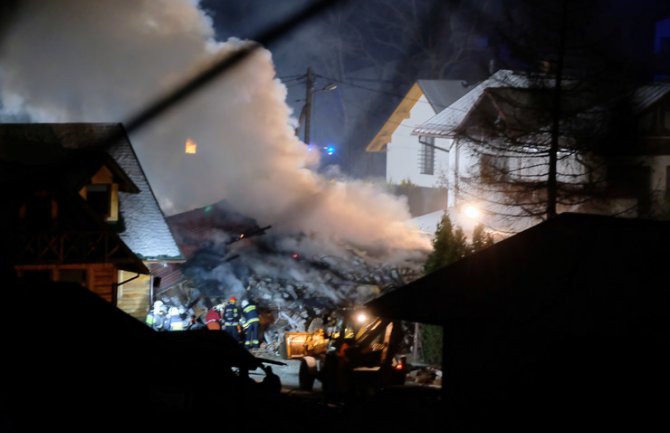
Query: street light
point(471, 211)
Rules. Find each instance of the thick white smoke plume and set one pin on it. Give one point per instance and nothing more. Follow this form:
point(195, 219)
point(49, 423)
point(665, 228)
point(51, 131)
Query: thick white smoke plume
point(103, 60)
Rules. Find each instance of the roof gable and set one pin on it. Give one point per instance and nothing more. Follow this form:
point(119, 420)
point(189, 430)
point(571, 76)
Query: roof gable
point(439, 93)
point(383, 137)
point(442, 93)
point(444, 123)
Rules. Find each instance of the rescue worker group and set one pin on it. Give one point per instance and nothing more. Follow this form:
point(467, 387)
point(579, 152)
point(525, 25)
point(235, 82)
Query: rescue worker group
point(240, 321)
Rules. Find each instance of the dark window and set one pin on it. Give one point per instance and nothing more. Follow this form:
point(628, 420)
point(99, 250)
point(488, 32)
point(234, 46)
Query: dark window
point(493, 168)
point(628, 180)
point(99, 198)
point(646, 122)
point(427, 155)
point(665, 117)
point(667, 182)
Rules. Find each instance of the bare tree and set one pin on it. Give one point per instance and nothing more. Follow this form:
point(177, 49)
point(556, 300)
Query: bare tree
point(534, 131)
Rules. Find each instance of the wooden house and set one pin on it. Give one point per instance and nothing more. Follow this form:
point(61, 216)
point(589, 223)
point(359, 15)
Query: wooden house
point(78, 208)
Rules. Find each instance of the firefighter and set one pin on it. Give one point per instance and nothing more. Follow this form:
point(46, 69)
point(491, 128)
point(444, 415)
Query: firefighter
point(156, 317)
point(231, 319)
point(174, 321)
point(213, 318)
point(250, 323)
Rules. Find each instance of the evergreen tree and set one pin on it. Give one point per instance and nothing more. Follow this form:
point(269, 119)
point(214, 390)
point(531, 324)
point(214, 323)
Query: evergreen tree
point(449, 245)
point(480, 239)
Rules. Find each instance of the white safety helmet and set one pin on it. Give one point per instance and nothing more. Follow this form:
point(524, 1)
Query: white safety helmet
point(173, 311)
point(158, 304)
point(244, 303)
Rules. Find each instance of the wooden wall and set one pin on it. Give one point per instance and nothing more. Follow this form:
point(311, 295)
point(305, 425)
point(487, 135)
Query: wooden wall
point(134, 296)
point(100, 278)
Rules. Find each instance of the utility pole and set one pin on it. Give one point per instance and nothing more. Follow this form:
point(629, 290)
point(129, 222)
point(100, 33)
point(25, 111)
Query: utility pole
point(306, 115)
point(552, 183)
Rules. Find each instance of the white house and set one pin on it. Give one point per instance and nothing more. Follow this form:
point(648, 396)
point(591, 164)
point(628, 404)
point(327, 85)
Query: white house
point(635, 175)
point(420, 167)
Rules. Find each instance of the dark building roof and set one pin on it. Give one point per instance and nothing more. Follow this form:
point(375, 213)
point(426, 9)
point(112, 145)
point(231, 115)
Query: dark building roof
point(53, 147)
point(443, 93)
point(576, 258)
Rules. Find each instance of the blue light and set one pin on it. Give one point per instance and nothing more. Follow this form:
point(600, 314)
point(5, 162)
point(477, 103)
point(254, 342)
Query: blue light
point(330, 149)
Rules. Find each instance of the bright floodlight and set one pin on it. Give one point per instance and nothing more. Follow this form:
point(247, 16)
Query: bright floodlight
point(361, 317)
point(471, 212)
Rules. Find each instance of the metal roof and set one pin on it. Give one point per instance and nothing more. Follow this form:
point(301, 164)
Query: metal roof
point(442, 93)
point(444, 123)
point(647, 95)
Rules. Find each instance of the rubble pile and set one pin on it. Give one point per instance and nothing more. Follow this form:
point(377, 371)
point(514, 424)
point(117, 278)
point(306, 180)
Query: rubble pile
point(294, 279)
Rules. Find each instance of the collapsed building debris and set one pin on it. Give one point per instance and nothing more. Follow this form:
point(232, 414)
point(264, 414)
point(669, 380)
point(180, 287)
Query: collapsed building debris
point(294, 279)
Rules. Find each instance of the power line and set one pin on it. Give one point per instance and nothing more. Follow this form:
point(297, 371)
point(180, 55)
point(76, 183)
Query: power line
point(383, 92)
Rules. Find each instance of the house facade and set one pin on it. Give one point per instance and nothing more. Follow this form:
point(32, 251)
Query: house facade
point(503, 130)
point(80, 209)
point(421, 167)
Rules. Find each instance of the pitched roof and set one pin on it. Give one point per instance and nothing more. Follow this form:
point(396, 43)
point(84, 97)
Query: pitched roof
point(442, 93)
point(444, 123)
point(38, 146)
point(647, 95)
point(401, 112)
point(439, 93)
point(566, 262)
point(147, 232)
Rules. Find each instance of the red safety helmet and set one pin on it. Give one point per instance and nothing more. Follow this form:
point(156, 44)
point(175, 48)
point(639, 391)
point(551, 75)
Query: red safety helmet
point(232, 299)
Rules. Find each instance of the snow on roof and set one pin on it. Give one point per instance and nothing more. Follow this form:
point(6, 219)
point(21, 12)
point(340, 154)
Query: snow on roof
point(147, 232)
point(428, 223)
point(442, 93)
point(446, 121)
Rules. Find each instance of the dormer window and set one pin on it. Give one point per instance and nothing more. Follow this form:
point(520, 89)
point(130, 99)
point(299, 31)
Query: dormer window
point(99, 198)
point(102, 194)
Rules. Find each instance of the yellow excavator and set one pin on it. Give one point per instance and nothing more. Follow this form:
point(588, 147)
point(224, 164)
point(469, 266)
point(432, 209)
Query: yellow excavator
point(356, 353)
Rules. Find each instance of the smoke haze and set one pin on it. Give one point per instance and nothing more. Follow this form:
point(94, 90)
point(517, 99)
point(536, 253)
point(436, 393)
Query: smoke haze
point(102, 61)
